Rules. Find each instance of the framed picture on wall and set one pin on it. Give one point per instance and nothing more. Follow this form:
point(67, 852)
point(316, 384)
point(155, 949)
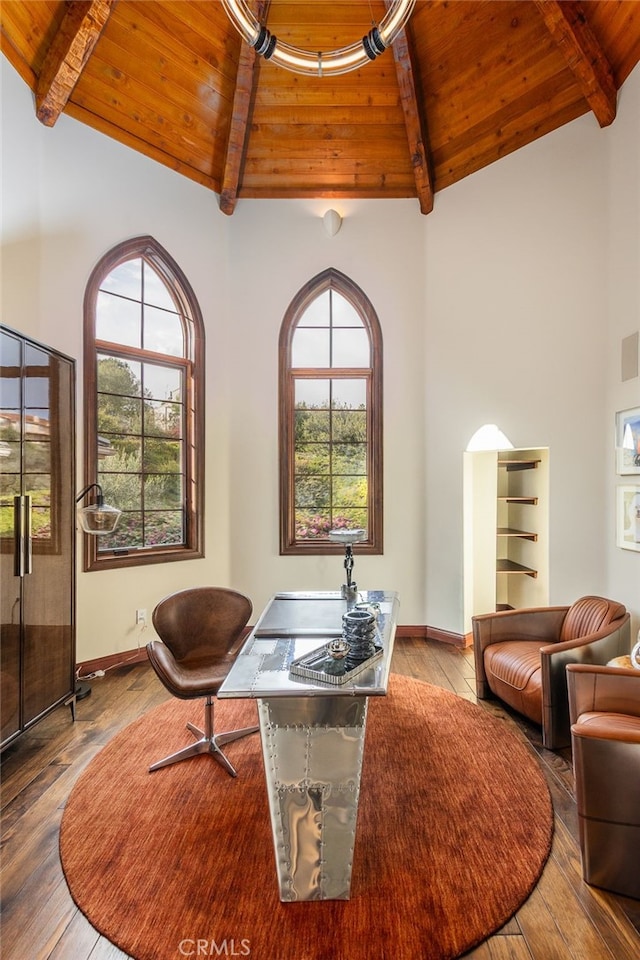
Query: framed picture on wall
point(628, 517)
point(628, 441)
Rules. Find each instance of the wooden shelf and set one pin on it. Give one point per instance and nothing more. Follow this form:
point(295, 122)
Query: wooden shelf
point(510, 532)
point(506, 563)
point(519, 464)
point(509, 566)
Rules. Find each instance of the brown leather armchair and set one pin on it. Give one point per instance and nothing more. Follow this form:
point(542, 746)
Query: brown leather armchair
point(200, 632)
point(604, 706)
point(521, 656)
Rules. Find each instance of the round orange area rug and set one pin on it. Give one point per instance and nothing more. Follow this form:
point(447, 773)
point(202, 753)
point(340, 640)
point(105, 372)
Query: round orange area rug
point(454, 827)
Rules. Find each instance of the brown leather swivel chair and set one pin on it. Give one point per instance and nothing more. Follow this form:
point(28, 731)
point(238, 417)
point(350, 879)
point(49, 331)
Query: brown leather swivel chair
point(200, 630)
point(521, 656)
point(604, 705)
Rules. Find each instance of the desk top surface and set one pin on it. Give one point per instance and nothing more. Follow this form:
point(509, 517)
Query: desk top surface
point(294, 624)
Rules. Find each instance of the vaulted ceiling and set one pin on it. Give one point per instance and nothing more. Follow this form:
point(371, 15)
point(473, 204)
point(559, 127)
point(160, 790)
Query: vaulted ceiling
point(466, 83)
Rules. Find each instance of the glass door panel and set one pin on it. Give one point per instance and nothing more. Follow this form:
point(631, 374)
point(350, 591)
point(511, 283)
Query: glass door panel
point(47, 477)
point(10, 488)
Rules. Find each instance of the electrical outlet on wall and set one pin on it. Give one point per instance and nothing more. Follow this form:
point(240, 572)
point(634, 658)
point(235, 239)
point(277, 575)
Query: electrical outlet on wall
point(141, 615)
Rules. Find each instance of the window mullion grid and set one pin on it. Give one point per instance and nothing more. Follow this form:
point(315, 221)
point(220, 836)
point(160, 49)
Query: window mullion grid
point(137, 353)
point(370, 373)
point(331, 451)
point(185, 458)
point(143, 434)
point(142, 303)
point(189, 465)
point(369, 458)
point(186, 461)
point(292, 454)
point(143, 426)
point(331, 375)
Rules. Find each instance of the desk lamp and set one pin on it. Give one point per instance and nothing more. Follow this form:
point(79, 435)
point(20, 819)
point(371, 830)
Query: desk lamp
point(348, 537)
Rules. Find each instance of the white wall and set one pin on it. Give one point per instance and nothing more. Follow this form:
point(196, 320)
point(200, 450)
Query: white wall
point(493, 308)
point(516, 298)
point(68, 195)
point(623, 318)
point(275, 248)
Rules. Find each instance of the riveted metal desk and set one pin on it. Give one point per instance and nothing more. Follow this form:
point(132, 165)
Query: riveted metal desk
point(312, 736)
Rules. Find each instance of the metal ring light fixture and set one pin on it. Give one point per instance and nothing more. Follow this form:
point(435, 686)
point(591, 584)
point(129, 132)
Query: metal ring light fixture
point(319, 64)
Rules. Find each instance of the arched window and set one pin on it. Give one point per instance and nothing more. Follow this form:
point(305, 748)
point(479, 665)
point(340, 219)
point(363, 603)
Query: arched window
point(330, 361)
point(144, 392)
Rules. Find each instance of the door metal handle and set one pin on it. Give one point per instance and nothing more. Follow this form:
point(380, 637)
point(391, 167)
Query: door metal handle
point(23, 555)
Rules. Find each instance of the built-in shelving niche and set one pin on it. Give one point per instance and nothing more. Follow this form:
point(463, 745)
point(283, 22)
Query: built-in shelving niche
point(506, 526)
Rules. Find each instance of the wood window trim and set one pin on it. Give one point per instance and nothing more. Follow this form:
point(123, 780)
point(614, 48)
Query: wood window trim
point(330, 279)
point(149, 250)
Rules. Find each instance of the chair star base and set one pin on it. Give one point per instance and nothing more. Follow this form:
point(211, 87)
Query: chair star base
point(207, 742)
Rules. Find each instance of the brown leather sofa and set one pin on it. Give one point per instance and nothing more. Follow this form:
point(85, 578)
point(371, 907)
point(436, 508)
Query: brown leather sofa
point(604, 706)
point(521, 656)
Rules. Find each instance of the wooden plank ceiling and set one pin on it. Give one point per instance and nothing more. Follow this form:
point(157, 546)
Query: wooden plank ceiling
point(468, 82)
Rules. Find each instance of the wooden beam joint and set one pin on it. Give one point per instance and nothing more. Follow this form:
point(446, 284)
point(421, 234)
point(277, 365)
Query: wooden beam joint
point(66, 58)
point(242, 99)
point(568, 25)
point(415, 123)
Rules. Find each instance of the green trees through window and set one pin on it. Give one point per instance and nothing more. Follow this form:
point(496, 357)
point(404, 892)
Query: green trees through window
point(330, 417)
point(144, 386)
point(140, 438)
point(331, 477)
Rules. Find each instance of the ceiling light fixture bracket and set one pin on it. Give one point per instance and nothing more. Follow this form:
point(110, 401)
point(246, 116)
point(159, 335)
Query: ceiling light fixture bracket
point(331, 63)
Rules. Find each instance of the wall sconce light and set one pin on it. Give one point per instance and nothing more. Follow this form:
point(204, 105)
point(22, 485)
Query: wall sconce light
point(489, 437)
point(98, 518)
point(332, 222)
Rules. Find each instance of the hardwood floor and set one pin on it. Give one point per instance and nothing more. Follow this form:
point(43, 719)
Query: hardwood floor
point(563, 919)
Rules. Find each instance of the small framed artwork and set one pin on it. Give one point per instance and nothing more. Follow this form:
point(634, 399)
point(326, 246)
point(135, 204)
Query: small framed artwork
point(628, 517)
point(628, 441)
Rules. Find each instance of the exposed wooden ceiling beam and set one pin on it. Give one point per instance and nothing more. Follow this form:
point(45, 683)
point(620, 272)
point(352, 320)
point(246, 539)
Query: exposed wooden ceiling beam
point(414, 122)
point(68, 54)
point(242, 97)
point(568, 25)
point(238, 129)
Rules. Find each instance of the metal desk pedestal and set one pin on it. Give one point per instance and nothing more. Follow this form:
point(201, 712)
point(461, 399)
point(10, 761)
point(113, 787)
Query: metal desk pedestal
point(312, 738)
